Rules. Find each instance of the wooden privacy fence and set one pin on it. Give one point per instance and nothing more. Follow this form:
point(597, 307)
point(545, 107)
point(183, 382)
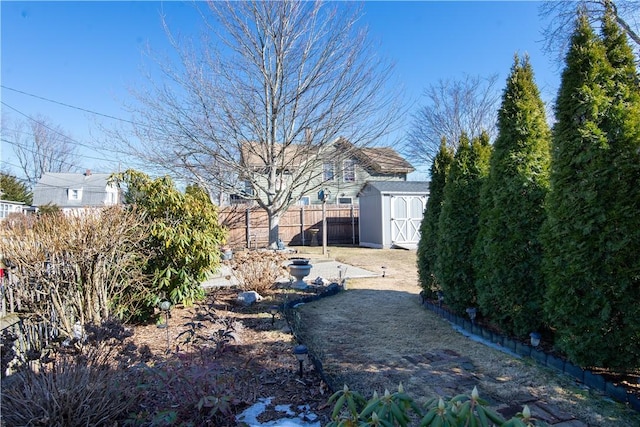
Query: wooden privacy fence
point(299, 225)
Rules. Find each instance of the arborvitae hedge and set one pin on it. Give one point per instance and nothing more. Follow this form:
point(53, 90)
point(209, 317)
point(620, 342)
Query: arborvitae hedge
point(592, 233)
point(508, 254)
point(427, 253)
point(458, 223)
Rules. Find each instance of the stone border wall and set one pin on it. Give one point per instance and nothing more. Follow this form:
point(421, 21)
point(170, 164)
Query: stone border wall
point(292, 316)
point(594, 381)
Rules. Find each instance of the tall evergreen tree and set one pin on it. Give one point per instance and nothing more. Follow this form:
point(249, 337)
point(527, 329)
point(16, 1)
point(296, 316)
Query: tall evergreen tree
point(14, 190)
point(508, 253)
point(592, 233)
point(427, 253)
point(458, 222)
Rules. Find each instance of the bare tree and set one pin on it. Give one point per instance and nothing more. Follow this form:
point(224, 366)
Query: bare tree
point(39, 146)
point(262, 97)
point(453, 107)
point(561, 16)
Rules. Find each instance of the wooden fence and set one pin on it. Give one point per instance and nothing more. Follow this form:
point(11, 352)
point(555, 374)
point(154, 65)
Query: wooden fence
point(299, 225)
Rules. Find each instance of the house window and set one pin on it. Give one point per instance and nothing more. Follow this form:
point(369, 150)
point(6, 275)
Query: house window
point(248, 189)
point(328, 171)
point(304, 201)
point(349, 170)
point(345, 200)
point(75, 194)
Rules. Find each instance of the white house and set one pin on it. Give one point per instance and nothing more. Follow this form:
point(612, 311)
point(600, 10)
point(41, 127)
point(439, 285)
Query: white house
point(73, 192)
point(7, 207)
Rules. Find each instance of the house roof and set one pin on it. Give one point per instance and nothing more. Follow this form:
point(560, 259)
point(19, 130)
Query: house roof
point(253, 155)
point(412, 187)
point(53, 189)
point(382, 160)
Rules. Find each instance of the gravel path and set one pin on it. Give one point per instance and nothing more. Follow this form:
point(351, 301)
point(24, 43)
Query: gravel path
point(377, 335)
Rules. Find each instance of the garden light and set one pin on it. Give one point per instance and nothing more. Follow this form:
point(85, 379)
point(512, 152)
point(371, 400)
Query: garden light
point(535, 339)
point(273, 310)
point(440, 298)
point(472, 311)
point(301, 352)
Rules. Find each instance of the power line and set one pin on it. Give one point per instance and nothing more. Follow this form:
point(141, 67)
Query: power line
point(32, 151)
point(64, 104)
point(60, 133)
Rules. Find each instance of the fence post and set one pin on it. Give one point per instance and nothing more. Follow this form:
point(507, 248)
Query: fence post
point(353, 227)
point(302, 223)
point(247, 237)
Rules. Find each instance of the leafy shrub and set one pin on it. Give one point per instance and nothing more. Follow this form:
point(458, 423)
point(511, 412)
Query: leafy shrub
point(185, 236)
point(399, 409)
point(258, 270)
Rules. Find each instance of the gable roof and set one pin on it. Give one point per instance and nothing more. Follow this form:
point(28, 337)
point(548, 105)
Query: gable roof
point(382, 160)
point(53, 188)
point(253, 154)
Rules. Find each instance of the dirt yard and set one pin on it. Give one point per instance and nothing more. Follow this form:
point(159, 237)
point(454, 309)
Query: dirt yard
point(377, 334)
point(372, 336)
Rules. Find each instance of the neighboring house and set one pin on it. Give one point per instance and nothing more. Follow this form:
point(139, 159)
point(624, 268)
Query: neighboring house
point(391, 213)
point(73, 192)
point(340, 170)
point(7, 207)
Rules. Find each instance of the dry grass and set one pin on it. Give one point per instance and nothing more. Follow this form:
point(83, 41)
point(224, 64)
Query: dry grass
point(364, 336)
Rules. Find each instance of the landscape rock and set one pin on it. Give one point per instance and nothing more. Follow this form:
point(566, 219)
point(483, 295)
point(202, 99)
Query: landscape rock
point(250, 297)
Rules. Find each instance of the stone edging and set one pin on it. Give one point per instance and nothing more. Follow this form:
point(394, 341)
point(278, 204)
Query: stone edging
point(594, 381)
point(288, 310)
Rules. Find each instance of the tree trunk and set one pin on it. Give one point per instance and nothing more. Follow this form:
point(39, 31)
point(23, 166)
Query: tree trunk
point(274, 227)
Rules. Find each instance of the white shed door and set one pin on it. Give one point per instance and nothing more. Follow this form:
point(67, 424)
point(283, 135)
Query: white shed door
point(406, 216)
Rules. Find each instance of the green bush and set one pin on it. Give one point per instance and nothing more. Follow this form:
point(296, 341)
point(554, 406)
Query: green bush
point(400, 409)
point(185, 236)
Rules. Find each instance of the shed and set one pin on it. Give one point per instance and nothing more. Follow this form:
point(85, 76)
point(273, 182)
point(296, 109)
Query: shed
point(391, 213)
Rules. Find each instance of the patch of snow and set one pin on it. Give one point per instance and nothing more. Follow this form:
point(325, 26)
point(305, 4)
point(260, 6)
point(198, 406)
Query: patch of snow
point(250, 415)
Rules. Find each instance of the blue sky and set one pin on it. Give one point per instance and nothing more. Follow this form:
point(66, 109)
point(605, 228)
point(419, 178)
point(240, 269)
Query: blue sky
point(86, 54)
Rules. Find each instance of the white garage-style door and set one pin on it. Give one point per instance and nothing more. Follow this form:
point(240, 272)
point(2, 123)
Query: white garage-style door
point(406, 216)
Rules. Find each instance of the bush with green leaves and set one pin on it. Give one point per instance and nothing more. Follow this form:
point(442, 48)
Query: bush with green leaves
point(185, 236)
point(350, 408)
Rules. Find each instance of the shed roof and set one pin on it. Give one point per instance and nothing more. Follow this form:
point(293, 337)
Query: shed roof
point(413, 187)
